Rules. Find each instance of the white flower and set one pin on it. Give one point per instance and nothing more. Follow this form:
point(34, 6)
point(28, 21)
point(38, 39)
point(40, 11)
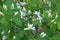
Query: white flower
point(9, 31)
point(5, 7)
point(33, 28)
point(3, 32)
point(49, 14)
point(26, 28)
point(18, 7)
point(16, 13)
point(22, 3)
point(17, 4)
point(29, 12)
point(33, 19)
point(12, 6)
point(56, 16)
point(24, 9)
point(53, 20)
point(3, 0)
point(37, 12)
point(4, 38)
point(39, 18)
point(30, 27)
point(43, 34)
point(14, 37)
point(22, 14)
point(1, 13)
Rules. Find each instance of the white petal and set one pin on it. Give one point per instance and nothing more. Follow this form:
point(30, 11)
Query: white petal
point(1, 13)
point(30, 25)
point(17, 3)
point(24, 9)
point(43, 35)
point(14, 37)
point(18, 7)
point(5, 7)
point(22, 3)
point(16, 13)
point(53, 20)
point(3, 0)
point(37, 12)
point(4, 38)
point(3, 32)
point(12, 7)
point(56, 16)
point(29, 12)
point(9, 31)
point(33, 28)
point(26, 28)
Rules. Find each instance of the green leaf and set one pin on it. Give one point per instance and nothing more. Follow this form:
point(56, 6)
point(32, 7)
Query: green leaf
point(53, 27)
point(55, 37)
point(56, 2)
point(4, 21)
point(8, 4)
point(30, 35)
point(59, 25)
point(38, 37)
point(36, 22)
point(17, 21)
point(33, 5)
point(19, 35)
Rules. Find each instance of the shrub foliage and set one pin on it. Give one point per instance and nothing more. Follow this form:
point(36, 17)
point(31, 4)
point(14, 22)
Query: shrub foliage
point(29, 19)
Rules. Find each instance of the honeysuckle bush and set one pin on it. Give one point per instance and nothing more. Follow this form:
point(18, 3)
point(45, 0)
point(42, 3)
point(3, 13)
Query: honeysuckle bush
point(29, 19)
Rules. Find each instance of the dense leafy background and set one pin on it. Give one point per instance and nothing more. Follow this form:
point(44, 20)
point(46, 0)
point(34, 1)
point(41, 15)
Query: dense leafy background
point(27, 19)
